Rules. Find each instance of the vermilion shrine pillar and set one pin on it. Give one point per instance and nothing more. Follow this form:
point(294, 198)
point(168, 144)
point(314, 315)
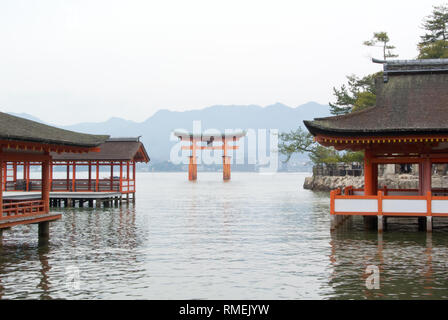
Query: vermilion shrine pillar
point(46, 183)
point(226, 160)
point(226, 167)
point(193, 166)
point(192, 169)
point(426, 176)
point(369, 172)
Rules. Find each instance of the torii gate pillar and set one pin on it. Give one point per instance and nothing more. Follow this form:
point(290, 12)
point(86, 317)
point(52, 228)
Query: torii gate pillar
point(192, 169)
point(226, 168)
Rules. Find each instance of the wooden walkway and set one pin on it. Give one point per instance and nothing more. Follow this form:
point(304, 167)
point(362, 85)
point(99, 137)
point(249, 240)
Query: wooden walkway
point(44, 217)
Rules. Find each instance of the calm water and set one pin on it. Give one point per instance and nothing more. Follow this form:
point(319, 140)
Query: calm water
point(256, 237)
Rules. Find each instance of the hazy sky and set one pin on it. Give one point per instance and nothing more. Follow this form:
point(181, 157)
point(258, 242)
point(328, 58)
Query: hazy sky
point(73, 61)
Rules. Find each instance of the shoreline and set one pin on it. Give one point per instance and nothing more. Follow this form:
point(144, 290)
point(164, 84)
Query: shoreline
point(393, 181)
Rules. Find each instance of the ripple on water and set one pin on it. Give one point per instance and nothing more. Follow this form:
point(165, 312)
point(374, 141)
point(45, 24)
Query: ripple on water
point(257, 237)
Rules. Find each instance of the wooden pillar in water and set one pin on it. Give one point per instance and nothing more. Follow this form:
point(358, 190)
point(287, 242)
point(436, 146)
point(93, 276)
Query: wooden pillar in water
point(193, 166)
point(428, 224)
point(225, 161)
point(380, 223)
point(43, 232)
point(226, 168)
point(192, 169)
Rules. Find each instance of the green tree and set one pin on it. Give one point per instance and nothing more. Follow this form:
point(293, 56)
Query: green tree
point(322, 155)
point(357, 94)
point(381, 39)
point(434, 43)
point(349, 157)
point(300, 141)
point(296, 141)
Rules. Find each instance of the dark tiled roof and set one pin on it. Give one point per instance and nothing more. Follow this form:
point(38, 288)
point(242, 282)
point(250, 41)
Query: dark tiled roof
point(409, 103)
point(416, 66)
point(118, 149)
point(19, 129)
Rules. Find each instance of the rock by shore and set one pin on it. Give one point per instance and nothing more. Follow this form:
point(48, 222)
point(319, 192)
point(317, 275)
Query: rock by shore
point(392, 181)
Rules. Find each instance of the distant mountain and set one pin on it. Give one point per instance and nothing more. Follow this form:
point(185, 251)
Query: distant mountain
point(26, 116)
point(156, 130)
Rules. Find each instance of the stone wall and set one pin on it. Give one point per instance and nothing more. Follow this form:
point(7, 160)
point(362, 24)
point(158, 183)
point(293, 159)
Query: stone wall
point(392, 181)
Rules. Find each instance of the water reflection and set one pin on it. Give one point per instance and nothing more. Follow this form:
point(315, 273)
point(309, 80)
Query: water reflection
point(44, 283)
point(408, 262)
point(256, 237)
point(98, 243)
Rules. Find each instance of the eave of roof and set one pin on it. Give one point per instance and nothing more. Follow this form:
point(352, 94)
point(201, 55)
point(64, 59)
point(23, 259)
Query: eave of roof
point(315, 128)
point(114, 149)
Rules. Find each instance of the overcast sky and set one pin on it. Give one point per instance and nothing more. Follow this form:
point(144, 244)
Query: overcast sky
point(89, 60)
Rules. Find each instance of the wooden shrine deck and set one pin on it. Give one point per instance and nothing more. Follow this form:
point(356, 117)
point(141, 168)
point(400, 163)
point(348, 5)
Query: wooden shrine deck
point(36, 218)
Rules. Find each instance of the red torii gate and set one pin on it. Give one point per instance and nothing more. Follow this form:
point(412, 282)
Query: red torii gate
point(209, 138)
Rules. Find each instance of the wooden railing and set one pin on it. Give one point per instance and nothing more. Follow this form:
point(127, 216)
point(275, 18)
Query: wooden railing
point(350, 190)
point(388, 202)
point(80, 185)
point(127, 187)
point(18, 209)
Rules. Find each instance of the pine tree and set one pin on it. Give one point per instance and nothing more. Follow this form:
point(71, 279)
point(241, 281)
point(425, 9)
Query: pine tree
point(434, 43)
point(357, 94)
point(381, 39)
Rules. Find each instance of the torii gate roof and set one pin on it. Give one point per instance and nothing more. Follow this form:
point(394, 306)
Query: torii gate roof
point(210, 135)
